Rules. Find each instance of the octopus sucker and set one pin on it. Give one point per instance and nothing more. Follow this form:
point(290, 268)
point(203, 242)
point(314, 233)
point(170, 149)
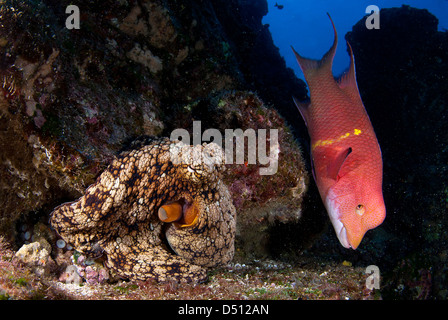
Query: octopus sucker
point(157, 199)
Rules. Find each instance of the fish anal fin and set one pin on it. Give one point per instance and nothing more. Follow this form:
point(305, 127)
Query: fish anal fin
point(303, 108)
point(336, 161)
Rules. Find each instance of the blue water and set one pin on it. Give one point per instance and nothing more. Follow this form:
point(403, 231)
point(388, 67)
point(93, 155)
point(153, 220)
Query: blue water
point(304, 24)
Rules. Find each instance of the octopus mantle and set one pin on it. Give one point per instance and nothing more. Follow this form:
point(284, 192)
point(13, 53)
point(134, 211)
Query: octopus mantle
point(118, 213)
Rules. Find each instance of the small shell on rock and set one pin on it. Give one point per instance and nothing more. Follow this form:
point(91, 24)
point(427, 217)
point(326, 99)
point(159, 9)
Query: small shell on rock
point(60, 243)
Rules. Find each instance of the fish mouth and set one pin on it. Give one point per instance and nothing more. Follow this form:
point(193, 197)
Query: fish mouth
point(339, 228)
point(341, 232)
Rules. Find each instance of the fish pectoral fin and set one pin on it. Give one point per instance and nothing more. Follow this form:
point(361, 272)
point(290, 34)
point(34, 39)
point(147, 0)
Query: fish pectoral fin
point(303, 108)
point(337, 159)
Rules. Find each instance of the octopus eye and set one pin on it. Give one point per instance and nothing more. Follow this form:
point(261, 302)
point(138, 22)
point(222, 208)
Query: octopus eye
point(183, 215)
point(170, 212)
point(360, 209)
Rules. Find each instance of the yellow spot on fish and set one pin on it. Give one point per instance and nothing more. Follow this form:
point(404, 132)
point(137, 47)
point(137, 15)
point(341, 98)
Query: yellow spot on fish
point(320, 143)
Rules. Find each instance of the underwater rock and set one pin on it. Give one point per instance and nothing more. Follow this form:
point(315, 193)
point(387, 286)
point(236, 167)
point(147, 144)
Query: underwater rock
point(401, 72)
point(259, 60)
point(118, 213)
point(263, 202)
point(72, 98)
point(37, 256)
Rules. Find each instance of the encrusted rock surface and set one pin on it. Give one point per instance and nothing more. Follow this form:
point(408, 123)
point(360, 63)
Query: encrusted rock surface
point(72, 100)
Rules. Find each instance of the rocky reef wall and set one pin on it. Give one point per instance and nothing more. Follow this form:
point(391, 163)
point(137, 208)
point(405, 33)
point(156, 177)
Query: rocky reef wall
point(402, 76)
point(73, 98)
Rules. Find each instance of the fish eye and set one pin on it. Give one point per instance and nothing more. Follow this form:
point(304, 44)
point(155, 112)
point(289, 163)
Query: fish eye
point(360, 209)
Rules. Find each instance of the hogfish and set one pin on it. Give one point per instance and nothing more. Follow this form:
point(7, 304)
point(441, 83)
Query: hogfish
point(346, 157)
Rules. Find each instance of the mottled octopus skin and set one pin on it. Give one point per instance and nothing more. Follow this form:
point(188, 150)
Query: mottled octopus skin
point(117, 215)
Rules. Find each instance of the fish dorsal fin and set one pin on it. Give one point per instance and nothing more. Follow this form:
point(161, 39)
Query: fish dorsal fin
point(311, 66)
point(303, 108)
point(338, 158)
point(347, 81)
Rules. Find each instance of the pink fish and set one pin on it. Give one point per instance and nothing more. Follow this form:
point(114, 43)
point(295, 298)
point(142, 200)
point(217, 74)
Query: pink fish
point(346, 156)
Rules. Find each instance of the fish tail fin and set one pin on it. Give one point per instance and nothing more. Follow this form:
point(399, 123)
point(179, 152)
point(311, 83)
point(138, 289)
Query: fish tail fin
point(310, 66)
point(348, 76)
point(347, 80)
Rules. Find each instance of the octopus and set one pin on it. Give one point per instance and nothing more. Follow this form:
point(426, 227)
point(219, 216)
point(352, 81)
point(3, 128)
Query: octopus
point(160, 210)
